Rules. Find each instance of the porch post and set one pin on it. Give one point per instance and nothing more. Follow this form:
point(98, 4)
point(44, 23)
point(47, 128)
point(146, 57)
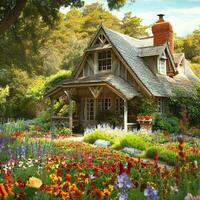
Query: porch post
point(125, 115)
point(51, 117)
point(70, 113)
point(69, 94)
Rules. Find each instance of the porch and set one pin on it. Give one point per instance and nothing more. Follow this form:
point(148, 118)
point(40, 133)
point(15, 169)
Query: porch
point(90, 99)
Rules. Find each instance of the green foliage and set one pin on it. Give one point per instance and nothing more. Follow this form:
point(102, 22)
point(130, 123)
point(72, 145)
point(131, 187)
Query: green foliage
point(189, 45)
point(147, 107)
point(95, 135)
point(166, 122)
point(189, 98)
point(56, 78)
point(65, 131)
point(163, 154)
point(131, 25)
point(4, 93)
point(196, 68)
point(12, 127)
point(133, 141)
point(194, 132)
point(107, 117)
point(41, 122)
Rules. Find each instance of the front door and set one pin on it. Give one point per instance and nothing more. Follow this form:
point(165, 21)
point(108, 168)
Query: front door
point(89, 111)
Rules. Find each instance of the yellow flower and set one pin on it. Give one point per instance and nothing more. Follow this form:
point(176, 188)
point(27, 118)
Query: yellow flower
point(110, 187)
point(55, 178)
point(34, 182)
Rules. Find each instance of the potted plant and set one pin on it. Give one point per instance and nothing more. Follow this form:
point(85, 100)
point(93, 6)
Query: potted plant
point(145, 116)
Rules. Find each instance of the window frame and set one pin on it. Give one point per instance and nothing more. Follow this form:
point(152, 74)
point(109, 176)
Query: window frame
point(104, 103)
point(161, 105)
point(104, 59)
point(119, 105)
point(162, 69)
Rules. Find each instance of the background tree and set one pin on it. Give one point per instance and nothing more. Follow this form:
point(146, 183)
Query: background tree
point(48, 10)
point(131, 25)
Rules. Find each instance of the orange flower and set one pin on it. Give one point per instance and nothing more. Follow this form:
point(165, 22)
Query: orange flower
point(55, 178)
point(6, 190)
point(34, 182)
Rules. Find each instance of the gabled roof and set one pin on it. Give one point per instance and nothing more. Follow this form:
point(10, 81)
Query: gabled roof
point(114, 81)
point(132, 51)
point(151, 51)
point(125, 45)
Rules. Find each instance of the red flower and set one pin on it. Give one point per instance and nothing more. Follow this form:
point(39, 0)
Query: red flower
point(129, 168)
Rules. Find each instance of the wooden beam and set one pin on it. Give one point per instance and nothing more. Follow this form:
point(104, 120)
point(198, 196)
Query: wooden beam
point(95, 91)
point(125, 115)
point(51, 118)
point(68, 93)
point(70, 114)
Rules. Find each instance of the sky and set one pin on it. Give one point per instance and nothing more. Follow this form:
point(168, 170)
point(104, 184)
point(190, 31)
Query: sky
point(184, 15)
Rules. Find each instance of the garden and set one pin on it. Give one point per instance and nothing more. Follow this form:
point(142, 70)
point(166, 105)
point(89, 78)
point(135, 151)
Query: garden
point(107, 164)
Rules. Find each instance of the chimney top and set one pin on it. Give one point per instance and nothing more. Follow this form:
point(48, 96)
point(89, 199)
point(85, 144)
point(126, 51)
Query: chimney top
point(161, 19)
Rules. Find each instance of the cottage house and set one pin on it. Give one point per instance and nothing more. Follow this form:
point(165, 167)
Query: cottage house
point(115, 69)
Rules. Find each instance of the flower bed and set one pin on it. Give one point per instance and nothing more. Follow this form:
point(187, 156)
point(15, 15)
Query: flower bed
point(63, 170)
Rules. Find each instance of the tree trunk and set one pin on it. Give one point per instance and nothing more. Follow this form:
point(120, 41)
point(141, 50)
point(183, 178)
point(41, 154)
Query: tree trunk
point(12, 16)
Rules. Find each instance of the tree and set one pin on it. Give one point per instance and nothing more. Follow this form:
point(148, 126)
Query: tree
point(190, 45)
point(131, 25)
point(94, 14)
point(47, 9)
point(4, 93)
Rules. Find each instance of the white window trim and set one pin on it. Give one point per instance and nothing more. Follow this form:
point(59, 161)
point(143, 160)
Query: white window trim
point(88, 106)
point(119, 105)
point(104, 70)
point(159, 64)
point(102, 105)
point(161, 105)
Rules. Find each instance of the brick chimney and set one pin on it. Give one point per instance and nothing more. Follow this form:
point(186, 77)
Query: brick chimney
point(163, 32)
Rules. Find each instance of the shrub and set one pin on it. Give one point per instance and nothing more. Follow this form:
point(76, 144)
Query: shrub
point(133, 141)
point(65, 131)
point(95, 135)
point(194, 132)
point(166, 122)
point(163, 154)
point(147, 107)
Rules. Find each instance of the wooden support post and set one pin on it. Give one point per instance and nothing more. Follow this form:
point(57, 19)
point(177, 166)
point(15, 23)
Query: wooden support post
point(69, 94)
point(51, 118)
point(125, 115)
point(70, 113)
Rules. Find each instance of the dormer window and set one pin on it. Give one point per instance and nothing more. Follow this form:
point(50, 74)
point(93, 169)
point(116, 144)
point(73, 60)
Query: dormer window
point(104, 60)
point(162, 66)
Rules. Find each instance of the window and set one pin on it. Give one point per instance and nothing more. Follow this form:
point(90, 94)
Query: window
point(119, 106)
point(161, 105)
point(104, 104)
point(89, 109)
point(104, 60)
point(162, 66)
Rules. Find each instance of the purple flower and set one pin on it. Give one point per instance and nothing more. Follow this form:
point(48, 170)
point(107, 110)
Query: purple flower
point(124, 183)
point(150, 193)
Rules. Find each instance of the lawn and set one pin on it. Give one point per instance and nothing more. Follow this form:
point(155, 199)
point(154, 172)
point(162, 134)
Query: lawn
point(41, 168)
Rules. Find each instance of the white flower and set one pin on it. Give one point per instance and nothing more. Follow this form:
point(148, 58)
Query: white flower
point(188, 197)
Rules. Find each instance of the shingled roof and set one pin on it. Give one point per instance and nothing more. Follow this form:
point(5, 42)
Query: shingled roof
point(114, 81)
point(131, 50)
